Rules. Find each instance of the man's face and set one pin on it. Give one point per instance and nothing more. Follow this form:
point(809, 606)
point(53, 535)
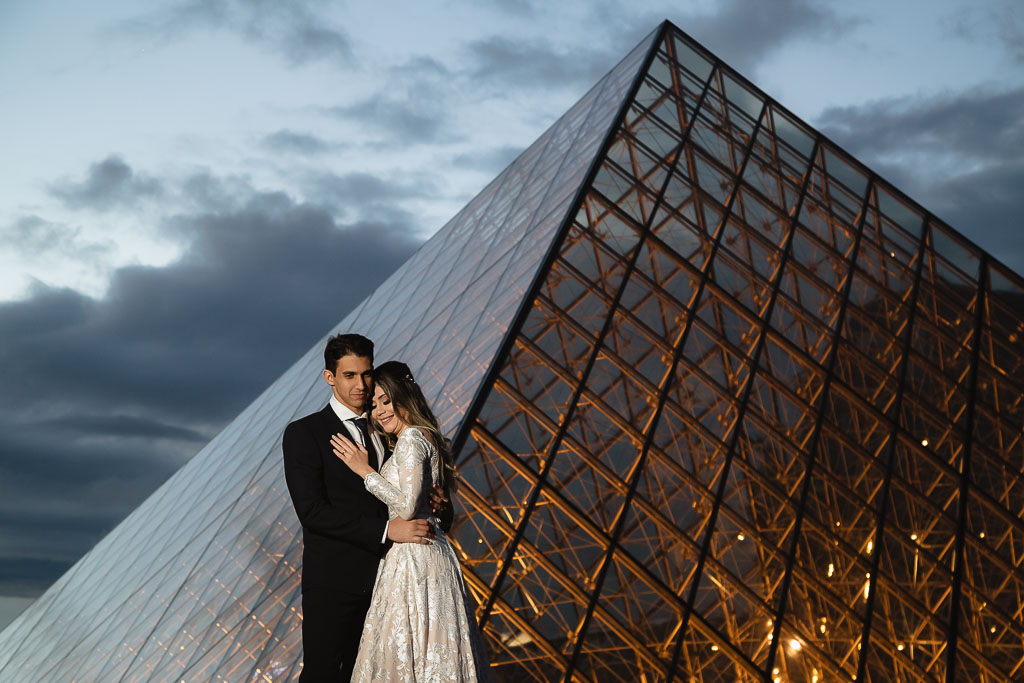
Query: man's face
point(352, 382)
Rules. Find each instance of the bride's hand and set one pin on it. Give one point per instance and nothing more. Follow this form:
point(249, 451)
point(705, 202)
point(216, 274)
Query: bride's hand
point(352, 454)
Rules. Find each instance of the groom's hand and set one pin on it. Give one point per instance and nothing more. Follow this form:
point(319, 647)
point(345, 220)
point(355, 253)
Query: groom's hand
point(441, 506)
point(439, 502)
point(410, 531)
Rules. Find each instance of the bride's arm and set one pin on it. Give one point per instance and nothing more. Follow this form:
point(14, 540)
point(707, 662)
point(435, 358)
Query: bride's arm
point(410, 458)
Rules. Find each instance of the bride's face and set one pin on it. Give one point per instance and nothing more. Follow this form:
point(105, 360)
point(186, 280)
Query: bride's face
point(384, 413)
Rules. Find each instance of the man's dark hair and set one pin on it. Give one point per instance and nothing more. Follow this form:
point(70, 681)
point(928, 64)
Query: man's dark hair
point(346, 345)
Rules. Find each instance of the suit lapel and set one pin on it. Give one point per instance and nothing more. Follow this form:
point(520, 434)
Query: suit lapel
point(332, 423)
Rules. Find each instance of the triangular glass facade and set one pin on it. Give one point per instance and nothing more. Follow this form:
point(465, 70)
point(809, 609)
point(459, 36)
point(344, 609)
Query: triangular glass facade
point(728, 407)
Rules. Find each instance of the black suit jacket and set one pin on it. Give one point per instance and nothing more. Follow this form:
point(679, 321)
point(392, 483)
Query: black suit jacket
point(342, 523)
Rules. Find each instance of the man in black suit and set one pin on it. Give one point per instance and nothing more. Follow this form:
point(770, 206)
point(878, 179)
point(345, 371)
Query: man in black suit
point(344, 528)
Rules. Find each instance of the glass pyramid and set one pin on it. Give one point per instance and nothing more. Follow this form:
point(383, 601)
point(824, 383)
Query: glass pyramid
point(727, 405)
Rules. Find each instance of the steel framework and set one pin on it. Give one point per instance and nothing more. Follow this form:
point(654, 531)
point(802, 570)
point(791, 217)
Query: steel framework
point(759, 417)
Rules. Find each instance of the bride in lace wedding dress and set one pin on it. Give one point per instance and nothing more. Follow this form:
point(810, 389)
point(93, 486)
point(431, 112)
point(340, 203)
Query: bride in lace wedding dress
point(420, 625)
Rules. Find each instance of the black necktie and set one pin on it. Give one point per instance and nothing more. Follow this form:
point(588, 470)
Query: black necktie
point(360, 423)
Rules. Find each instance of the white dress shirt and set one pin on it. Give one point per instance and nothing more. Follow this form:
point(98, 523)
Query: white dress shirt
point(346, 416)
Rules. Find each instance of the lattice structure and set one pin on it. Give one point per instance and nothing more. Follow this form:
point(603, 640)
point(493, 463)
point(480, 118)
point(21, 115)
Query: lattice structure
point(760, 418)
point(728, 407)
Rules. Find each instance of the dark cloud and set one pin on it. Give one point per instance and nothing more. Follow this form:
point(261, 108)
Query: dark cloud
point(985, 205)
point(82, 461)
point(998, 21)
point(290, 142)
point(60, 492)
point(25, 577)
point(366, 195)
point(108, 184)
point(208, 193)
point(961, 155)
point(103, 399)
point(1010, 29)
point(524, 61)
point(744, 33)
point(980, 125)
point(119, 426)
point(411, 117)
point(255, 287)
point(306, 41)
point(33, 234)
point(35, 237)
point(296, 29)
point(45, 312)
point(500, 62)
point(416, 104)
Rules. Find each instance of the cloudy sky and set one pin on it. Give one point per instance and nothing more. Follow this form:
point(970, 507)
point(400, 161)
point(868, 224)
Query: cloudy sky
point(193, 191)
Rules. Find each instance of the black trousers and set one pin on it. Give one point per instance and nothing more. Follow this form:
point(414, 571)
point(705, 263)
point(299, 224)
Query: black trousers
point(331, 625)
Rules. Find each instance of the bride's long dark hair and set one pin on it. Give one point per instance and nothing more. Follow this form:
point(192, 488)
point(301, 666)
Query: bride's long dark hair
point(395, 379)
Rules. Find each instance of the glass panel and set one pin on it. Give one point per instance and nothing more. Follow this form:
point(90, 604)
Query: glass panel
point(692, 57)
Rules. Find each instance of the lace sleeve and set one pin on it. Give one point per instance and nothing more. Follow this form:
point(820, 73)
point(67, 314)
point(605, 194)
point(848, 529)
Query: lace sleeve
point(410, 460)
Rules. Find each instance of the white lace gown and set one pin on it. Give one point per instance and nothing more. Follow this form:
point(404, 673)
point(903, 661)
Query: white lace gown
point(420, 626)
